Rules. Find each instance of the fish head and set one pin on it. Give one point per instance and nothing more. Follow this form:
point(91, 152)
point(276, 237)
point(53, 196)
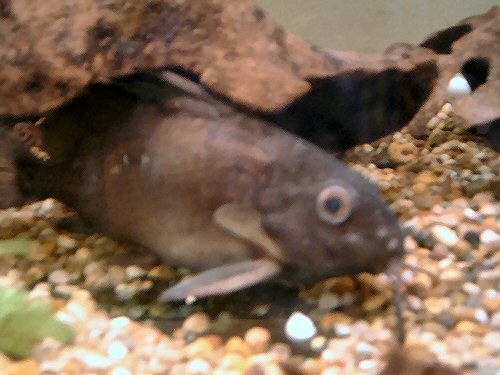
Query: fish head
point(329, 221)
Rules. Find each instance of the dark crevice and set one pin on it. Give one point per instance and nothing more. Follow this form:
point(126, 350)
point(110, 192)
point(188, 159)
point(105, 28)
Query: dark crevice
point(356, 107)
point(476, 72)
point(442, 42)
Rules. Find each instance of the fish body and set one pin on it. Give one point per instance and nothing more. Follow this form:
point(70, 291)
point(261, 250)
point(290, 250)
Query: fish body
point(210, 187)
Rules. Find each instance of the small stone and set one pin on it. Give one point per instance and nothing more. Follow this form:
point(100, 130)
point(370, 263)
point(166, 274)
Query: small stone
point(197, 323)
point(495, 320)
point(466, 326)
point(299, 327)
point(471, 289)
point(58, 277)
point(134, 272)
point(444, 235)
point(258, 338)
point(329, 301)
point(437, 305)
point(117, 351)
point(66, 242)
point(201, 347)
point(318, 343)
point(367, 364)
point(365, 351)
point(236, 345)
point(452, 276)
point(120, 322)
point(282, 351)
point(481, 316)
point(120, 371)
point(489, 237)
point(375, 302)
point(491, 304)
point(342, 330)
point(459, 86)
point(402, 152)
point(329, 320)
point(92, 360)
point(492, 339)
point(125, 292)
point(198, 366)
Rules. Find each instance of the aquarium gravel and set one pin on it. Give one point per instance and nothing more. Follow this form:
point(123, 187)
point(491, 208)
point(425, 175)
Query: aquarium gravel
point(445, 188)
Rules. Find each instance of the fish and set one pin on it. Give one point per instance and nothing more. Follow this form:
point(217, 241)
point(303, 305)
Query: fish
point(209, 187)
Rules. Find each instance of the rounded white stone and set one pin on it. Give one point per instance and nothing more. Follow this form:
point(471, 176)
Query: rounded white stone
point(299, 327)
point(458, 86)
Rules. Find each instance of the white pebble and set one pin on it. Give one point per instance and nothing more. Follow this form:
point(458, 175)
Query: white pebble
point(121, 371)
point(481, 316)
point(365, 350)
point(459, 86)
point(300, 327)
point(117, 351)
point(120, 322)
point(447, 108)
point(342, 330)
point(367, 364)
point(489, 237)
point(92, 360)
point(445, 235)
point(471, 289)
point(470, 214)
point(198, 366)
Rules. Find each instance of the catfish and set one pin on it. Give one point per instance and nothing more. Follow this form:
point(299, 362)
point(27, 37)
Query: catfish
point(207, 186)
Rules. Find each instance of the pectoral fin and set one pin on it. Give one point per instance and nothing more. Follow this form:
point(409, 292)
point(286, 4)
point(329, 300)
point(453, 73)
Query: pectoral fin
point(223, 280)
point(246, 222)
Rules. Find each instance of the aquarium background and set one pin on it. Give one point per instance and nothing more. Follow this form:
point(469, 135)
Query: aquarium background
point(369, 26)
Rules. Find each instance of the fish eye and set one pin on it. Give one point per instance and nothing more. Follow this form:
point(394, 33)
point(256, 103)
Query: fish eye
point(334, 204)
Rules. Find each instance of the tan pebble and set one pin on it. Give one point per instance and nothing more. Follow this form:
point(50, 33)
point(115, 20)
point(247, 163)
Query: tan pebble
point(199, 348)
point(233, 362)
point(420, 284)
point(339, 284)
point(437, 305)
point(375, 302)
point(258, 338)
point(466, 326)
point(329, 320)
point(312, 366)
point(198, 322)
point(264, 369)
point(26, 367)
point(318, 343)
point(491, 303)
point(236, 345)
point(402, 152)
point(198, 367)
point(66, 242)
point(462, 249)
point(280, 351)
point(452, 276)
point(461, 312)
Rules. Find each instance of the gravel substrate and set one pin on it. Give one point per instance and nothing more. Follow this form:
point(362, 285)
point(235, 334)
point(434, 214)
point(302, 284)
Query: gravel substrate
point(445, 188)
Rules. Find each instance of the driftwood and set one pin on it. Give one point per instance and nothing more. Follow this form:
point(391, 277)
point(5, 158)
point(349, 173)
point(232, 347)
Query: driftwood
point(51, 50)
point(472, 47)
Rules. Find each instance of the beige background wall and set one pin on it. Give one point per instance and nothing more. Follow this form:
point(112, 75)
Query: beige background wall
point(370, 25)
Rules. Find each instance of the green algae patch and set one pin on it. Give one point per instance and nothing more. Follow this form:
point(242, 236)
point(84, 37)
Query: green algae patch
point(24, 323)
point(16, 246)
